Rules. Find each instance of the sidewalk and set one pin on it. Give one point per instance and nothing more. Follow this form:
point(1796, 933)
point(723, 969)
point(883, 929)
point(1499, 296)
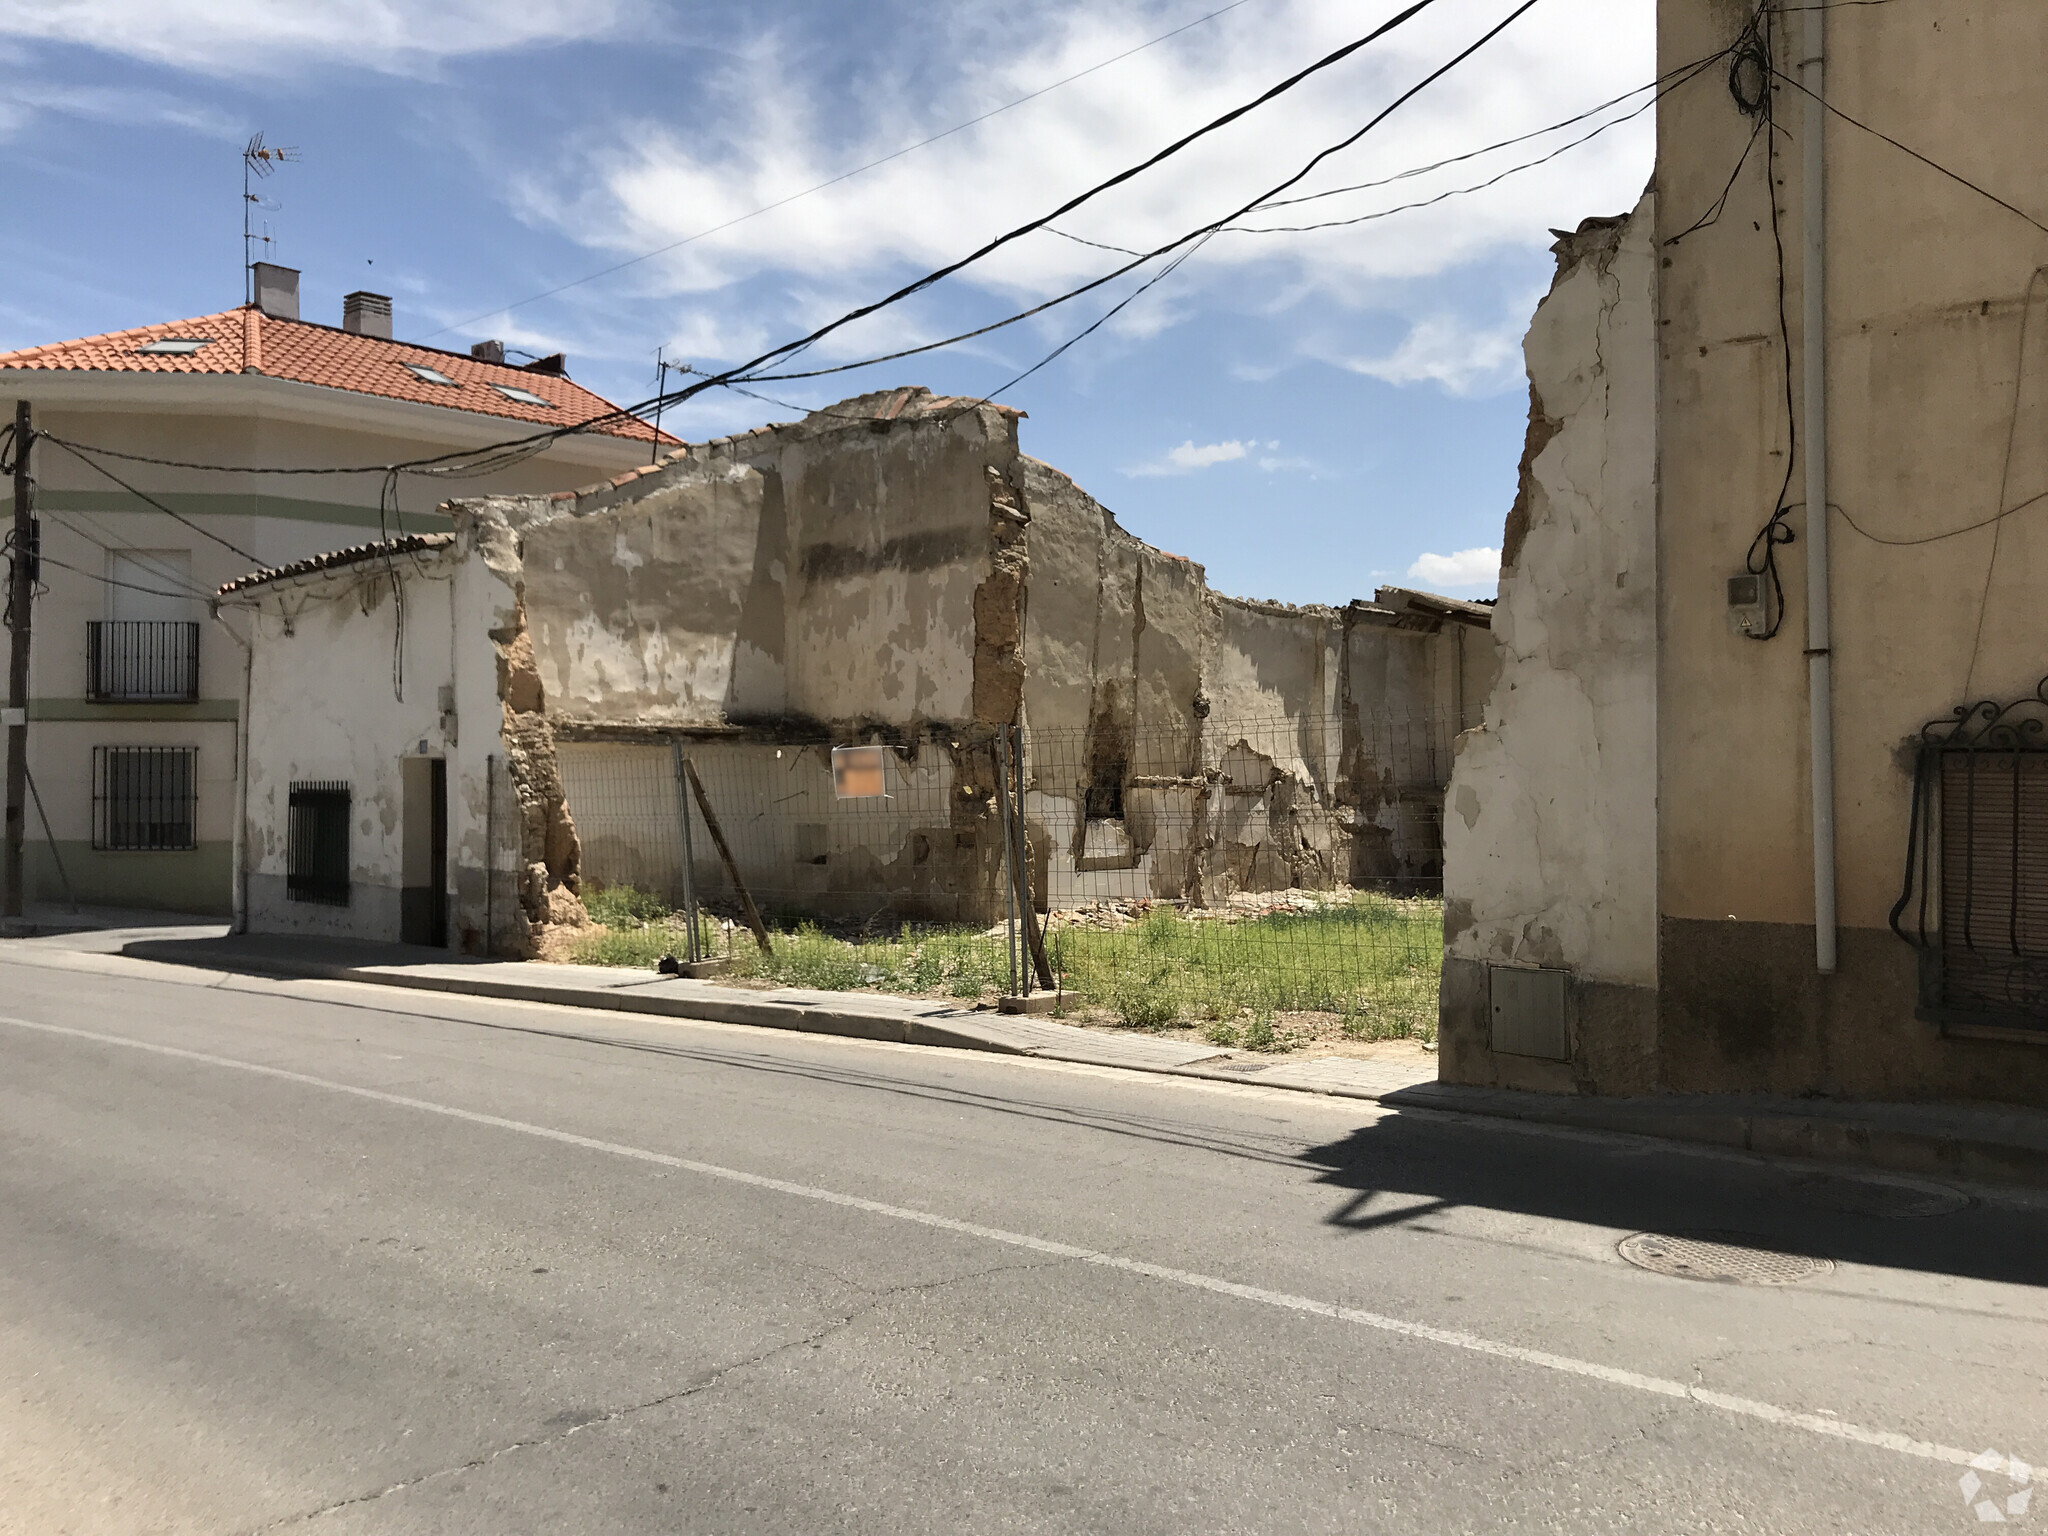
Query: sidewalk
point(1991, 1144)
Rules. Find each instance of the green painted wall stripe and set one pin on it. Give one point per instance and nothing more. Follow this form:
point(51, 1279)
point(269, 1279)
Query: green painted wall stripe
point(90, 709)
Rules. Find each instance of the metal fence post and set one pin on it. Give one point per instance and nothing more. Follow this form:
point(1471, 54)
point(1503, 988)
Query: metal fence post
point(1009, 872)
point(695, 947)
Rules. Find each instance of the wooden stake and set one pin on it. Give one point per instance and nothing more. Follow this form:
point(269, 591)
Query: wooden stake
point(731, 868)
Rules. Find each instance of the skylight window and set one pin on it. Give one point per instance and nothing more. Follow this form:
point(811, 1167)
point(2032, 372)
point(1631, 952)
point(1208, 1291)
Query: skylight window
point(174, 346)
point(431, 375)
point(523, 396)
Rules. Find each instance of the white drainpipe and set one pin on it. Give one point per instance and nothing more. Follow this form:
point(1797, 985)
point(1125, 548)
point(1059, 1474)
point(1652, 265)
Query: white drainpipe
point(1820, 675)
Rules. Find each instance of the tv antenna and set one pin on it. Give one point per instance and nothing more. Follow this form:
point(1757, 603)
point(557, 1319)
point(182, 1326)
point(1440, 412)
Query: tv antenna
point(258, 161)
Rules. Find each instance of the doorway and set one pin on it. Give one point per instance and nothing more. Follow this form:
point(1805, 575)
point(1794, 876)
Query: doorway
point(423, 881)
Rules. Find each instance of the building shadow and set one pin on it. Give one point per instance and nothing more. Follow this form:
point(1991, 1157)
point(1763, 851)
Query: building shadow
point(1404, 1168)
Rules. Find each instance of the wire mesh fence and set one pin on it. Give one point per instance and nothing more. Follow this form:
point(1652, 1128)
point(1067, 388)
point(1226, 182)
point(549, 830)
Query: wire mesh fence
point(1226, 871)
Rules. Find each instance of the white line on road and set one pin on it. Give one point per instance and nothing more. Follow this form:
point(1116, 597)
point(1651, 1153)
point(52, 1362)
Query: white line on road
point(1750, 1408)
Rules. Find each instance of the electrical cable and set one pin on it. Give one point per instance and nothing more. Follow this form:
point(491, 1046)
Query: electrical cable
point(1908, 150)
point(86, 458)
point(1669, 80)
point(469, 462)
point(746, 370)
point(843, 176)
point(121, 547)
point(1430, 202)
point(2012, 430)
point(1761, 559)
point(111, 581)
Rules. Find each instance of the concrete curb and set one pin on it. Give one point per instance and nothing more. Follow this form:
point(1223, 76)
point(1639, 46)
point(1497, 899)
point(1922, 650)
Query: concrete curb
point(1844, 1136)
point(1967, 1143)
point(903, 1030)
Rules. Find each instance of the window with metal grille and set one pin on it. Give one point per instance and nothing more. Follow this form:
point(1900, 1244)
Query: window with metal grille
point(1994, 881)
point(1980, 845)
point(317, 859)
point(145, 798)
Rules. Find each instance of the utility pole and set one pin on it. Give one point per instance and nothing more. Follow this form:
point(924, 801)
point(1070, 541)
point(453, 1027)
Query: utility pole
point(19, 592)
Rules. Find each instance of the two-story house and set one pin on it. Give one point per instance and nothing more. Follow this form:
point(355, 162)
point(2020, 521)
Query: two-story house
point(135, 697)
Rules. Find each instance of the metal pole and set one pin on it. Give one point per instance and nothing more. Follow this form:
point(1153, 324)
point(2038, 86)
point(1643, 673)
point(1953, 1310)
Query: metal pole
point(19, 594)
point(1819, 661)
point(696, 943)
point(1008, 867)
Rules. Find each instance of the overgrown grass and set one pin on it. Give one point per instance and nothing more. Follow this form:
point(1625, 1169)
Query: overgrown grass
point(1372, 959)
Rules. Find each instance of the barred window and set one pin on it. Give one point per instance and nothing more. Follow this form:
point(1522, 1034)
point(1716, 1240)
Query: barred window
point(317, 867)
point(1994, 881)
point(145, 798)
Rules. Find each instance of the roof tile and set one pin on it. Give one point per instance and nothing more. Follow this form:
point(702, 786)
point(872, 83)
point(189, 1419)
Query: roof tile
point(247, 340)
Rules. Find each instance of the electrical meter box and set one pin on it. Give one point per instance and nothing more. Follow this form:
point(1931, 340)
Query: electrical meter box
point(1748, 605)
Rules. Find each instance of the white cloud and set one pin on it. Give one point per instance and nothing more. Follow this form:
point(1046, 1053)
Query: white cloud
point(769, 125)
point(1191, 456)
point(231, 37)
point(1466, 568)
point(1444, 350)
point(21, 98)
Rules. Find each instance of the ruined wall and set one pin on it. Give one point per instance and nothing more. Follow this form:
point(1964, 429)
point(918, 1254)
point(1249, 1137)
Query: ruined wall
point(892, 569)
point(1550, 823)
point(1185, 744)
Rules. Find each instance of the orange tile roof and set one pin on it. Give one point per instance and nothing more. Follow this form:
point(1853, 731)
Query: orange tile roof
point(248, 340)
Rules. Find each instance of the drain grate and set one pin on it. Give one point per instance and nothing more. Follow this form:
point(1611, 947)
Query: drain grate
point(1726, 1257)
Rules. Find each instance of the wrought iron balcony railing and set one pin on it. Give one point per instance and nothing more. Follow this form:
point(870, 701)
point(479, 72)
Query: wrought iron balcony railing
point(142, 661)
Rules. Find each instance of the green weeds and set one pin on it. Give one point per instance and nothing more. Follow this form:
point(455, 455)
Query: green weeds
point(1373, 960)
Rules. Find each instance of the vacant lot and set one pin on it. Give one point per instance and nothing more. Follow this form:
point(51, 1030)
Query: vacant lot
point(1355, 966)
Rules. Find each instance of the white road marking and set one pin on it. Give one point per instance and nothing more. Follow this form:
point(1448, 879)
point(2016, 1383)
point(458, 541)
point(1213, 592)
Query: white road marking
point(1453, 1338)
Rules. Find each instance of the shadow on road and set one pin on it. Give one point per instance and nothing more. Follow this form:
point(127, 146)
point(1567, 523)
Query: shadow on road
point(1403, 1168)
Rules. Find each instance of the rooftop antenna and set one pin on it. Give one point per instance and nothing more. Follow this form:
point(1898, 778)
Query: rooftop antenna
point(258, 161)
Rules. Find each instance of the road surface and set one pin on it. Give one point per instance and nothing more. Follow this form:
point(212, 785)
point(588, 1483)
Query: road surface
point(281, 1256)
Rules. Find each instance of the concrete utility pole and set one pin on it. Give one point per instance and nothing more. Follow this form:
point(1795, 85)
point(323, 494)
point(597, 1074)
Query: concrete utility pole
point(19, 592)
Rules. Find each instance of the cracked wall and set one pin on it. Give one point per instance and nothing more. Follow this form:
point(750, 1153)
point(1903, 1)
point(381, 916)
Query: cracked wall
point(1550, 833)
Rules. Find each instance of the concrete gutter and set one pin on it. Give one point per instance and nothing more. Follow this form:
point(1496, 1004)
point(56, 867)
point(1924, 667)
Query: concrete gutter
point(1975, 1143)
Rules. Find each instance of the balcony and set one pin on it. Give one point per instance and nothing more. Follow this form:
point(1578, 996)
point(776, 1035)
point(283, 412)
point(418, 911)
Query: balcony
point(142, 661)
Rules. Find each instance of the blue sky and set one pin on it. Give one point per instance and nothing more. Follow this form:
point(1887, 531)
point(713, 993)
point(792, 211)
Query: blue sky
point(1308, 415)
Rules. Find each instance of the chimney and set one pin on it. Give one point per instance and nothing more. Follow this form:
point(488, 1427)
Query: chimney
point(488, 352)
point(367, 314)
point(277, 290)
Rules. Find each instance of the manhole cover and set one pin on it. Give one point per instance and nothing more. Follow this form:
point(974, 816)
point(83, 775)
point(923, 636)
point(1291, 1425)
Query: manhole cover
point(1724, 1257)
point(1865, 1196)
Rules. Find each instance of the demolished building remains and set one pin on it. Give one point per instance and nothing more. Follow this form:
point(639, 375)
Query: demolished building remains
point(459, 729)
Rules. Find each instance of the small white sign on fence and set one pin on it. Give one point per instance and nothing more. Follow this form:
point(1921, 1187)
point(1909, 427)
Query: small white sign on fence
point(858, 773)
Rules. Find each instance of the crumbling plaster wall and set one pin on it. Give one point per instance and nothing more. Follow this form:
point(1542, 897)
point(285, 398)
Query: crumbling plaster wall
point(1550, 822)
point(323, 708)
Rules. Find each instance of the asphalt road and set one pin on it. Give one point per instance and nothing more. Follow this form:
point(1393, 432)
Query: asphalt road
point(309, 1255)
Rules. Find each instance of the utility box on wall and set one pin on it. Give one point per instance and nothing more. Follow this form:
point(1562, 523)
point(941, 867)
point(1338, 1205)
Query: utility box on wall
point(1528, 1012)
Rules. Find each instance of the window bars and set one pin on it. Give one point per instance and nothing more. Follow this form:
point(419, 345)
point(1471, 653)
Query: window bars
point(144, 799)
point(317, 868)
point(142, 661)
point(1975, 897)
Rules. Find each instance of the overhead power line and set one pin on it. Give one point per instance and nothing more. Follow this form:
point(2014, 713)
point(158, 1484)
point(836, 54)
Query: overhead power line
point(85, 456)
point(458, 461)
point(833, 181)
point(745, 370)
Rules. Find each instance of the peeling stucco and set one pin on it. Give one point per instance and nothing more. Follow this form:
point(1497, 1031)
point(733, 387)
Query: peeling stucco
point(1551, 853)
